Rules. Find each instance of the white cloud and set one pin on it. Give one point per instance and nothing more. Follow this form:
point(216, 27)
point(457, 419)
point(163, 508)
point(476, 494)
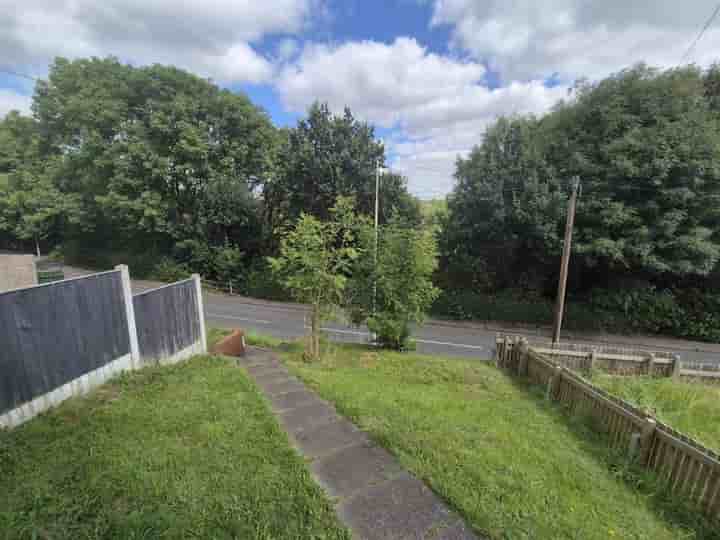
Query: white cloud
point(578, 38)
point(210, 37)
point(438, 104)
point(10, 101)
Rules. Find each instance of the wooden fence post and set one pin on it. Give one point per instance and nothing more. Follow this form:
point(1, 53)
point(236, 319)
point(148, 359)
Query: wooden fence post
point(646, 439)
point(676, 366)
point(650, 364)
point(634, 446)
point(505, 351)
point(523, 361)
point(592, 359)
point(553, 383)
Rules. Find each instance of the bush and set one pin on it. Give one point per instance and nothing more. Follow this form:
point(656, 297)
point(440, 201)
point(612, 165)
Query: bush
point(685, 313)
point(392, 333)
point(261, 283)
point(169, 270)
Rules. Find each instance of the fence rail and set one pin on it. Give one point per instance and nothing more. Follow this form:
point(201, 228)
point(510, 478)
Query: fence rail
point(616, 360)
point(689, 469)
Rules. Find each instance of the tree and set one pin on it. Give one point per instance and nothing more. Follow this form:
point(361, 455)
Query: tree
point(32, 208)
point(397, 290)
point(645, 145)
point(327, 156)
point(157, 155)
point(314, 261)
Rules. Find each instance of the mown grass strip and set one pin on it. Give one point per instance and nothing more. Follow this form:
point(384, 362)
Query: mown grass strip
point(188, 451)
point(512, 464)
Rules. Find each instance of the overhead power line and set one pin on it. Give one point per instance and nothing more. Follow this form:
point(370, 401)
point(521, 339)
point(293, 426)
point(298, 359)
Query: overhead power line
point(701, 33)
point(17, 74)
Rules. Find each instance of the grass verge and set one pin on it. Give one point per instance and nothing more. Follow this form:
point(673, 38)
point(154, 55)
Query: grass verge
point(188, 451)
point(512, 464)
point(690, 407)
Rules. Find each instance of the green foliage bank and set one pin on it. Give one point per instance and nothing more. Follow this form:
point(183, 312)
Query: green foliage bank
point(645, 144)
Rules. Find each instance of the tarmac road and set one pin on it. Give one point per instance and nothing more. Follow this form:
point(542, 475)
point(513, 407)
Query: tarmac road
point(450, 338)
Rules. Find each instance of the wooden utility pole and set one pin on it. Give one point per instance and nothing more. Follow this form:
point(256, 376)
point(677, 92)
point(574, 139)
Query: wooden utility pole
point(567, 246)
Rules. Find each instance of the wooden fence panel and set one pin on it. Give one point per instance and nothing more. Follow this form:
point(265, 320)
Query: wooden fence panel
point(689, 469)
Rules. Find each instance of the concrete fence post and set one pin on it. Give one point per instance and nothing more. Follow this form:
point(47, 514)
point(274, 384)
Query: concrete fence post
point(130, 312)
point(201, 311)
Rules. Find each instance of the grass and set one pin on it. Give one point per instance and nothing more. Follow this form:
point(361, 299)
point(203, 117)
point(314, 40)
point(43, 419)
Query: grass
point(510, 463)
point(690, 407)
point(188, 451)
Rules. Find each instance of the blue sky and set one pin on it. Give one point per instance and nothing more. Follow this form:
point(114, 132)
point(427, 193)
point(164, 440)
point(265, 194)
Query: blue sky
point(429, 74)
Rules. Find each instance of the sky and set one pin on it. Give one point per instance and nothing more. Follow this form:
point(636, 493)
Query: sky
point(429, 74)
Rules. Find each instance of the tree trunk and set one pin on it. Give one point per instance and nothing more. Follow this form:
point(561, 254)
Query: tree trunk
point(315, 337)
point(37, 246)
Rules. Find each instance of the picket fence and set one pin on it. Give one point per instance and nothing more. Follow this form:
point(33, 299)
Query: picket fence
point(689, 470)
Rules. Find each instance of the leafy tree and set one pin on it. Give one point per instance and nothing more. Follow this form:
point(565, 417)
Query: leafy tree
point(18, 142)
point(157, 155)
point(314, 261)
point(326, 157)
point(32, 208)
point(397, 290)
point(644, 144)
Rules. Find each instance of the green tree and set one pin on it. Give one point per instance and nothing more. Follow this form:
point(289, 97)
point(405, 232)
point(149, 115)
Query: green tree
point(33, 209)
point(157, 155)
point(327, 156)
point(396, 290)
point(314, 261)
point(645, 145)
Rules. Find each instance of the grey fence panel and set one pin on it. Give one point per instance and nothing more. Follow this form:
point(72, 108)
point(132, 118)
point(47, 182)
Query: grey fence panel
point(167, 320)
point(55, 333)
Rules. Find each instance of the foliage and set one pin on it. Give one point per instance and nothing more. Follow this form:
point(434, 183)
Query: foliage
point(644, 144)
point(328, 156)
point(507, 460)
point(169, 270)
point(402, 279)
point(689, 406)
point(180, 451)
point(315, 258)
point(642, 141)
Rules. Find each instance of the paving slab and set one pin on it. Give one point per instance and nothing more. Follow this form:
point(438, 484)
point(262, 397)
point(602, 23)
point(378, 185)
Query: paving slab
point(401, 508)
point(277, 386)
point(292, 400)
point(254, 356)
point(308, 417)
point(328, 438)
point(272, 377)
point(354, 468)
point(262, 369)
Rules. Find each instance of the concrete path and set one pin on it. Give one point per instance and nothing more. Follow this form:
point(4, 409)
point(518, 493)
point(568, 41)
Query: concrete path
point(374, 496)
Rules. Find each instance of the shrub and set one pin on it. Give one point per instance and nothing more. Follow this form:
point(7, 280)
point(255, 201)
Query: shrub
point(170, 270)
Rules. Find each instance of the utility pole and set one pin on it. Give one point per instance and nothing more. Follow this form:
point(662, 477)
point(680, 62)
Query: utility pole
point(567, 246)
point(375, 254)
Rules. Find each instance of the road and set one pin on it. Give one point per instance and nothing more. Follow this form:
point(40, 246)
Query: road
point(475, 340)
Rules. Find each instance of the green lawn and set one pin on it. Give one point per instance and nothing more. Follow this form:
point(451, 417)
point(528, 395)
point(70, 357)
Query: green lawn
point(512, 464)
point(188, 451)
point(690, 407)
